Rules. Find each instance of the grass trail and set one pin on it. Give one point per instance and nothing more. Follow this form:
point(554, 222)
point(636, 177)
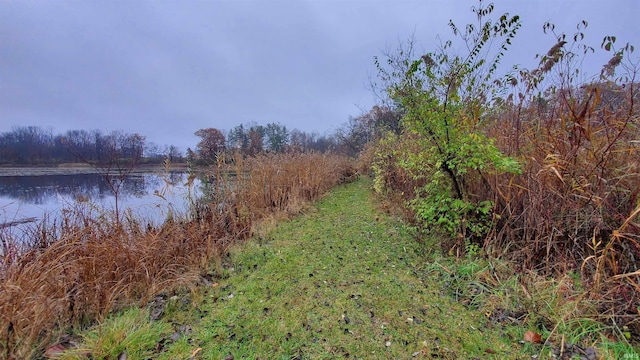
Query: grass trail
point(337, 282)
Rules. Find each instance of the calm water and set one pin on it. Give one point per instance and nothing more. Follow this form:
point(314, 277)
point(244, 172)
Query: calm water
point(150, 196)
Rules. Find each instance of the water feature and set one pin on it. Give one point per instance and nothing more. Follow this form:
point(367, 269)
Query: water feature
point(31, 196)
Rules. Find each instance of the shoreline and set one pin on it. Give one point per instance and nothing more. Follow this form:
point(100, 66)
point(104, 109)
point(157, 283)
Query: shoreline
point(78, 169)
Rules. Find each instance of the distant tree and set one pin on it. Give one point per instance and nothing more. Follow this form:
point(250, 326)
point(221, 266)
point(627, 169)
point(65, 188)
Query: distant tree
point(324, 143)
point(131, 146)
point(152, 151)
point(298, 140)
point(80, 141)
point(211, 143)
point(101, 146)
point(356, 133)
point(256, 143)
point(28, 145)
point(238, 138)
point(277, 137)
point(174, 154)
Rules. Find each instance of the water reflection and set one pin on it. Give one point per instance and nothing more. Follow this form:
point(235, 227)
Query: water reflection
point(149, 194)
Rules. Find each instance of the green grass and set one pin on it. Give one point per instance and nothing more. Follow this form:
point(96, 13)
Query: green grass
point(129, 332)
point(339, 281)
point(344, 280)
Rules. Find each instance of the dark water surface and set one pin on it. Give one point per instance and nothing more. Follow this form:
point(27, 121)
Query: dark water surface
point(151, 196)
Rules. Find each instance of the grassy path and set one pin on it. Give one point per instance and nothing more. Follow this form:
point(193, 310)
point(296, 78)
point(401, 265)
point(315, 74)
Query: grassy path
point(337, 282)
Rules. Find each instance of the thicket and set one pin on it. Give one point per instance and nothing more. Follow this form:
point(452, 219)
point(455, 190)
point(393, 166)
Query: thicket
point(92, 263)
point(540, 167)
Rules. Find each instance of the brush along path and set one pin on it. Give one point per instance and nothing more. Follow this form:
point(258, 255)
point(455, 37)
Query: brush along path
point(336, 282)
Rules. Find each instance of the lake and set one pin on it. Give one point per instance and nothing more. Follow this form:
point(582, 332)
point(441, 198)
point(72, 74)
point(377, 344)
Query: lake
point(28, 195)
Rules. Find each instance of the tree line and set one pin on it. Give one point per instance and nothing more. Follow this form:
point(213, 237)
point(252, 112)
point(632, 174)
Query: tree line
point(253, 139)
point(33, 145)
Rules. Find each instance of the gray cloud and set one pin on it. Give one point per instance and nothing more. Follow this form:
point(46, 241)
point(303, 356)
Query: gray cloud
point(168, 68)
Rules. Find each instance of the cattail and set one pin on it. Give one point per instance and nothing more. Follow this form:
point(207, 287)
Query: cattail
point(548, 65)
point(615, 61)
point(554, 49)
point(610, 67)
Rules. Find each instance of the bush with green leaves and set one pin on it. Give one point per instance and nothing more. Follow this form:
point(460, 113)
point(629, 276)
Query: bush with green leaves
point(444, 97)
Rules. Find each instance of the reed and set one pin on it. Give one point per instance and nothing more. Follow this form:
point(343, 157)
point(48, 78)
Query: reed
point(575, 206)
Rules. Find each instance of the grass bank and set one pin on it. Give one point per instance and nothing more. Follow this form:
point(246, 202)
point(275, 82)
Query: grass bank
point(343, 280)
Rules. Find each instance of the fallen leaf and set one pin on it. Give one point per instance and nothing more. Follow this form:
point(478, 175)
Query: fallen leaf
point(215, 284)
point(54, 351)
point(532, 337)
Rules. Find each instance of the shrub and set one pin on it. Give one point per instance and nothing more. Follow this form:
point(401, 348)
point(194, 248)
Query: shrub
point(543, 165)
point(443, 96)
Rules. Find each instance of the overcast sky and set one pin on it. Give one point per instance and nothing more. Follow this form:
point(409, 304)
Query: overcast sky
point(165, 69)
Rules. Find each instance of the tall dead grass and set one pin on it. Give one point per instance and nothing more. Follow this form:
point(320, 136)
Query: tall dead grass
point(575, 207)
point(80, 270)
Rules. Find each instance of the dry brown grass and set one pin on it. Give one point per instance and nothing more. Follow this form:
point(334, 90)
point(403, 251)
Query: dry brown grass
point(84, 268)
point(575, 207)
